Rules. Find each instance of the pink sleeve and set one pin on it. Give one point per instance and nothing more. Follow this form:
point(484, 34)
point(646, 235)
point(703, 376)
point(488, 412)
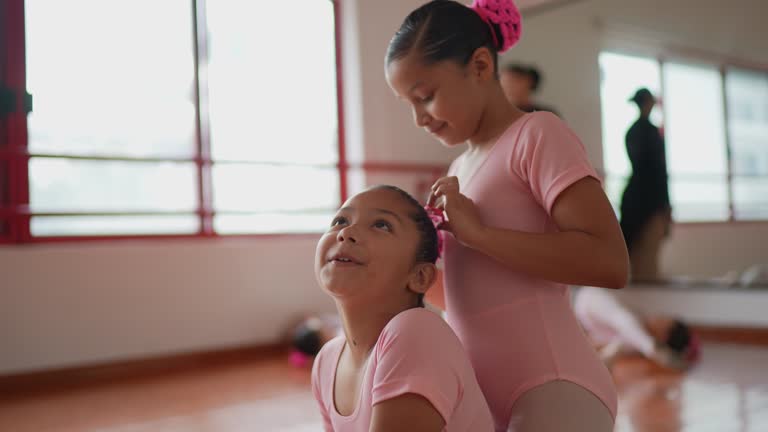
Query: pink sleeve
point(550, 158)
point(418, 355)
point(318, 391)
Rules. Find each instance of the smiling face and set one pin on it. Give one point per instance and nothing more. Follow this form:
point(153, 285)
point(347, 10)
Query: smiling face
point(446, 98)
point(368, 255)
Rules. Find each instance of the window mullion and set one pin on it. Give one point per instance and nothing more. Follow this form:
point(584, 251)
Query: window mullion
point(202, 130)
point(728, 150)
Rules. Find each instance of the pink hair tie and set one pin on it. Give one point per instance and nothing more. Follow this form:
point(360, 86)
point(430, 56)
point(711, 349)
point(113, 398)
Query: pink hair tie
point(437, 216)
point(299, 359)
point(693, 353)
point(504, 14)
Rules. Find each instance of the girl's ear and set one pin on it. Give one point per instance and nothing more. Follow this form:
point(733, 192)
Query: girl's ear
point(422, 277)
point(481, 64)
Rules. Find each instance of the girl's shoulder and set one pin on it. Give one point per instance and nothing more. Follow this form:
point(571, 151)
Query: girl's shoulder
point(542, 129)
point(417, 317)
point(530, 128)
point(416, 327)
point(540, 121)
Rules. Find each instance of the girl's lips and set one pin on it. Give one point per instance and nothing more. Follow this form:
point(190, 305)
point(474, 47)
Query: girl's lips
point(436, 130)
point(344, 259)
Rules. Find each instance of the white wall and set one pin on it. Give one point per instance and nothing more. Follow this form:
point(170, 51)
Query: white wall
point(714, 250)
point(389, 130)
point(73, 304)
point(700, 305)
point(380, 128)
point(565, 44)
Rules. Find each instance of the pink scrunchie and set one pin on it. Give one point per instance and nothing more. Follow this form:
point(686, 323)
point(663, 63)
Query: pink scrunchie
point(299, 359)
point(437, 216)
point(693, 352)
point(503, 13)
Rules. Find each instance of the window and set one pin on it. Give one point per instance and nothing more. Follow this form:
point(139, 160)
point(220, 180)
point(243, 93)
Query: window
point(621, 76)
point(185, 121)
point(695, 137)
point(273, 135)
point(747, 99)
point(715, 122)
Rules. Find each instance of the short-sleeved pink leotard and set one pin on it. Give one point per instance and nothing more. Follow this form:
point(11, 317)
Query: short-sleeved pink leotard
point(520, 331)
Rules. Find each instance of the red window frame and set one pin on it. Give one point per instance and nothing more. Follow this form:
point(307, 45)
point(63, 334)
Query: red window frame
point(13, 131)
point(13, 125)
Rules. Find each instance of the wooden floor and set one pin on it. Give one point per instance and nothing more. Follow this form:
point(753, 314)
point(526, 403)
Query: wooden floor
point(727, 392)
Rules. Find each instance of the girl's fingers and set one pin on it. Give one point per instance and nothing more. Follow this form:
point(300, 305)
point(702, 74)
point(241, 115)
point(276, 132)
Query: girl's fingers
point(442, 187)
point(446, 181)
point(431, 199)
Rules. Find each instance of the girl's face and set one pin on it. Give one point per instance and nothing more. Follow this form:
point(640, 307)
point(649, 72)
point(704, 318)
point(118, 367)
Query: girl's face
point(447, 99)
point(368, 253)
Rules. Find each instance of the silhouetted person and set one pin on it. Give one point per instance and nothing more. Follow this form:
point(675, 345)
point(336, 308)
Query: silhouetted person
point(645, 207)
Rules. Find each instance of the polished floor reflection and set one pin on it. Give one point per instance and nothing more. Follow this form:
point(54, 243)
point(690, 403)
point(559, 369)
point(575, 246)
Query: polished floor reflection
point(727, 391)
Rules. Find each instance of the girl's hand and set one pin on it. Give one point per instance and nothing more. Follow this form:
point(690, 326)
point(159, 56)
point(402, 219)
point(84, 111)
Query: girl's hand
point(463, 218)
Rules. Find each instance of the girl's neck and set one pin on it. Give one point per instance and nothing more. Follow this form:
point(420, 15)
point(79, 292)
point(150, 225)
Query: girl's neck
point(362, 327)
point(498, 115)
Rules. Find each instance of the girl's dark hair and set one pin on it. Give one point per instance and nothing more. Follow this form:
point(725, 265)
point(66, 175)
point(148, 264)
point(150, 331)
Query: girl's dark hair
point(426, 252)
point(443, 30)
point(306, 340)
point(679, 337)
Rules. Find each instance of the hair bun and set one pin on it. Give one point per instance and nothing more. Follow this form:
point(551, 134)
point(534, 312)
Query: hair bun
point(506, 16)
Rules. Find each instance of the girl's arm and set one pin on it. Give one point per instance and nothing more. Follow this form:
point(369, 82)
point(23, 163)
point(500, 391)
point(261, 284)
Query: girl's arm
point(409, 409)
point(589, 249)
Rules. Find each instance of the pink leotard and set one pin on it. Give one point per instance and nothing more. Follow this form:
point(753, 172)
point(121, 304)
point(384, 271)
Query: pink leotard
point(519, 331)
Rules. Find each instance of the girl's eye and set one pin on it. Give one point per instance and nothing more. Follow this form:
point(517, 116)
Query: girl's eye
point(339, 220)
point(382, 224)
point(427, 99)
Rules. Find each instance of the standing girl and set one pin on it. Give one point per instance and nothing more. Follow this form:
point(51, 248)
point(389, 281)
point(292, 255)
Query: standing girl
point(526, 215)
